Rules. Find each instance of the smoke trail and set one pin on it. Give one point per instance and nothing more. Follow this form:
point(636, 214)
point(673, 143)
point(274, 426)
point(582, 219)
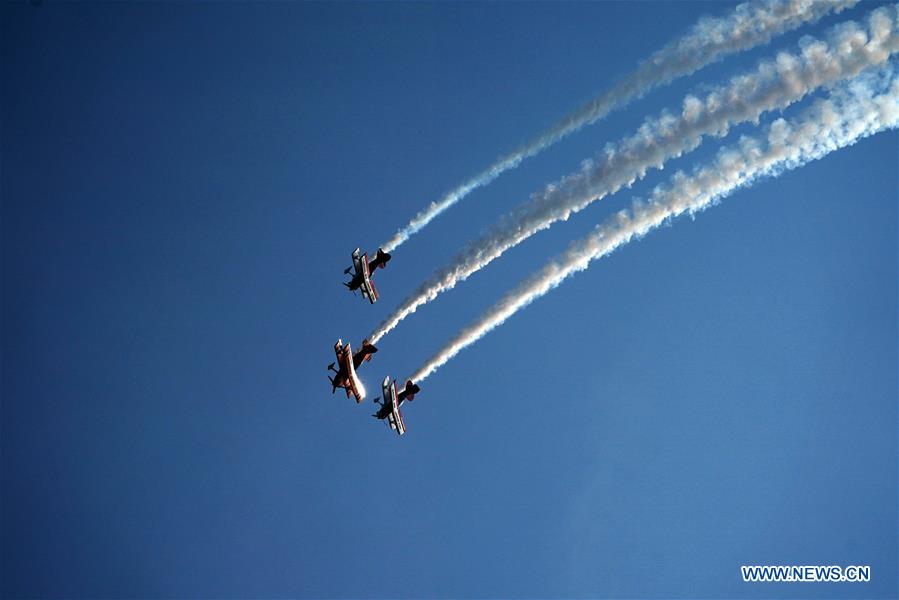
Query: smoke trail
point(848, 48)
point(710, 40)
point(863, 107)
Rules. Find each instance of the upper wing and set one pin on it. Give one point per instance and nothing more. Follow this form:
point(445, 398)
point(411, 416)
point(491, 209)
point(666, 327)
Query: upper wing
point(352, 387)
point(357, 267)
point(369, 290)
point(368, 286)
point(344, 356)
point(395, 417)
point(363, 266)
point(353, 384)
point(388, 392)
point(338, 350)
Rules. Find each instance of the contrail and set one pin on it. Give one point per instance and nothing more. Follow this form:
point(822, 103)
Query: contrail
point(863, 107)
point(848, 49)
point(710, 40)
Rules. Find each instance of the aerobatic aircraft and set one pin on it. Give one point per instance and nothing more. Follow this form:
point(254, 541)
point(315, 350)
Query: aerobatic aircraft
point(390, 405)
point(345, 375)
point(362, 270)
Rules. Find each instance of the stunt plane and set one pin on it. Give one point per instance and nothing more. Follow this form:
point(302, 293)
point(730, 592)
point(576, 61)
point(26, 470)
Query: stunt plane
point(362, 270)
point(345, 376)
point(390, 405)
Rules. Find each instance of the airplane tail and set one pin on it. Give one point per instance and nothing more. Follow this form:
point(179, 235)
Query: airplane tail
point(380, 261)
point(347, 270)
point(368, 348)
point(409, 391)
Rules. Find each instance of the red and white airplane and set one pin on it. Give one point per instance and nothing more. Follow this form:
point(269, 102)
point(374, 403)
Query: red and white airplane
point(390, 405)
point(362, 270)
point(345, 375)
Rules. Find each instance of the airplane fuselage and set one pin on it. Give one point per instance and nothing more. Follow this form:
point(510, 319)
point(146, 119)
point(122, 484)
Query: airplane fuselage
point(384, 411)
point(340, 379)
point(360, 358)
point(355, 283)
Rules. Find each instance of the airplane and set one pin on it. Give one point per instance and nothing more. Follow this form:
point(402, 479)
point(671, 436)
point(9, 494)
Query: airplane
point(345, 376)
point(390, 405)
point(362, 270)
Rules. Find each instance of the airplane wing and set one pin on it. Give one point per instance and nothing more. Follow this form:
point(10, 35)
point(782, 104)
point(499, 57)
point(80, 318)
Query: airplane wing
point(388, 392)
point(368, 286)
point(395, 417)
point(353, 387)
point(369, 290)
point(357, 261)
point(345, 360)
point(338, 350)
point(363, 266)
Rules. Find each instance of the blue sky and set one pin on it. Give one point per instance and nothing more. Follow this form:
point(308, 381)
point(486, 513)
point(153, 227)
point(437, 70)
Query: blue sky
point(181, 188)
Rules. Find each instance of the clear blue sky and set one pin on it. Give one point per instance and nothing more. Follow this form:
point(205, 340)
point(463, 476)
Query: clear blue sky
point(182, 186)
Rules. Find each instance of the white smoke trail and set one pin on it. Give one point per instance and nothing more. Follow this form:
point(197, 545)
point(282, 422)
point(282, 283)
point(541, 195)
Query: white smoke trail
point(863, 107)
point(710, 40)
point(848, 49)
